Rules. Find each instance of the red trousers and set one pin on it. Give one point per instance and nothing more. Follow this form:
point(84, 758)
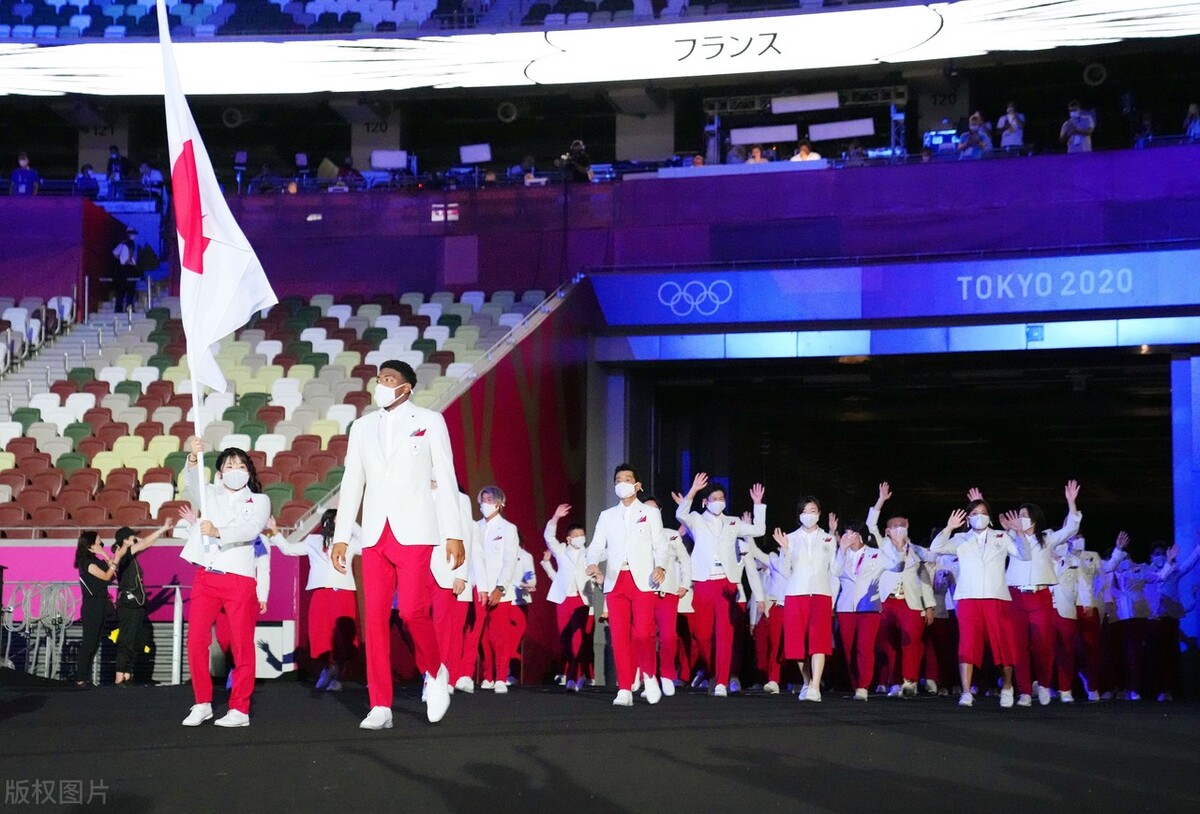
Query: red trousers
point(572, 617)
point(1064, 653)
point(768, 641)
point(941, 645)
point(902, 636)
point(235, 595)
point(449, 623)
point(497, 634)
point(389, 568)
point(1032, 618)
point(713, 624)
point(856, 635)
point(983, 621)
point(520, 622)
point(807, 626)
point(631, 626)
point(1090, 647)
point(332, 624)
point(666, 615)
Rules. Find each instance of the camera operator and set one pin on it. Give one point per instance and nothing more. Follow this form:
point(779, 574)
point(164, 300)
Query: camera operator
point(575, 163)
point(131, 598)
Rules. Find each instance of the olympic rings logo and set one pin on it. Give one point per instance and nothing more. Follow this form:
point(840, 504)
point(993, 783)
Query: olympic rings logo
point(695, 296)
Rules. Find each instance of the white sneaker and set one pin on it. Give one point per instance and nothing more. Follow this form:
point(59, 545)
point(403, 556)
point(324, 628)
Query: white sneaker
point(720, 691)
point(1024, 700)
point(966, 700)
point(668, 687)
point(199, 714)
point(437, 699)
point(861, 694)
point(771, 687)
point(813, 694)
point(560, 680)
point(624, 698)
point(501, 688)
point(1066, 697)
point(908, 689)
point(1044, 695)
point(233, 719)
point(637, 681)
point(487, 685)
point(333, 686)
point(803, 691)
point(1006, 698)
point(465, 684)
point(894, 692)
point(1093, 695)
point(571, 685)
point(735, 685)
point(931, 686)
point(324, 678)
point(377, 718)
point(654, 692)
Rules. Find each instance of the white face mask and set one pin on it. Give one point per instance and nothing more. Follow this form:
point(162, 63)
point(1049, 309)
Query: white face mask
point(898, 532)
point(716, 506)
point(577, 542)
point(1026, 524)
point(384, 395)
point(809, 520)
point(979, 522)
point(625, 490)
point(488, 509)
point(235, 478)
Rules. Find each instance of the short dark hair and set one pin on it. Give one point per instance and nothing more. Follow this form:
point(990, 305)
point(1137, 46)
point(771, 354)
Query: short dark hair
point(712, 487)
point(976, 503)
point(859, 526)
point(403, 368)
point(804, 501)
point(1074, 103)
point(625, 467)
point(574, 526)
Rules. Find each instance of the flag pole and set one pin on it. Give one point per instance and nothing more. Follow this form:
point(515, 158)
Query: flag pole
point(198, 426)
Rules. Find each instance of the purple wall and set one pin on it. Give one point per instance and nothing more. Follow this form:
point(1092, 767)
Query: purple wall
point(515, 238)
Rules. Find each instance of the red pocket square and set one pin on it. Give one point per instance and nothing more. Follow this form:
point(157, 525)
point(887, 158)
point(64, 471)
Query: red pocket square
point(418, 433)
point(642, 519)
point(501, 537)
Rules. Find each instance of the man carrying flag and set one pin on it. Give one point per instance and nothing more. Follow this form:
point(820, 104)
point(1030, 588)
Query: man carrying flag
point(222, 285)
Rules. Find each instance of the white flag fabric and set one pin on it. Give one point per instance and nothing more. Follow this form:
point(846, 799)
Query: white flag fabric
point(222, 282)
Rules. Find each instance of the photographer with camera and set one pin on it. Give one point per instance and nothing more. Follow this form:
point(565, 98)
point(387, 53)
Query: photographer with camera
point(131, 597)
point(575, 164)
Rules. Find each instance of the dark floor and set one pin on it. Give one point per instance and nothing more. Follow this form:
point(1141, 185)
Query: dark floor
point(543, 750)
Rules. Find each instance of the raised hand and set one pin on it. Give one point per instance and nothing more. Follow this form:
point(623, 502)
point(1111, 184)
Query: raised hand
point(781, 538)
point(1122, 540)
point(196, 445)
point(1173, 553)
point(844, 541)
point(678, 498)
point(1010, 521)
point(1072, 492)
point(747, 517)
point(546, 555)
point(957, 518)
point(699, 482)
point(272, 526)
point(188, 515)
point(885, 493)
point(756, 493)
point(562, 510)
point(974, 494)
point(833, 523)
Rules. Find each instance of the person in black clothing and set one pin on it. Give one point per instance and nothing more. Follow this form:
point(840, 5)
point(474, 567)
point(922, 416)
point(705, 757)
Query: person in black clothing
point(576, 164)
point(131, 598)
point(86, 183)
point(95, 572)
point(126, 274)
point(119, 171)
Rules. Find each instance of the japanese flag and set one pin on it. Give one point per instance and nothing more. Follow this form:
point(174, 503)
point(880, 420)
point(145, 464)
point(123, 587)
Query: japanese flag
point(222, 283)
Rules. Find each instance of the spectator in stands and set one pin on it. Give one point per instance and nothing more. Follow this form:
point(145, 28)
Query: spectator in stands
point(152, 180)
point(855, 156)
point(804, 152)
point(734, 153)
point(86, 183)
point(576, 164)
point(975, 141)
point(756, 155)
point(1011, 127)
point(126, 274)
point(131, 598)
point(926, 156)
point(697, 160)
point(118, 173)
point(1076, 131)
point(1191, 123)
point(24, 179)
point(95, 572)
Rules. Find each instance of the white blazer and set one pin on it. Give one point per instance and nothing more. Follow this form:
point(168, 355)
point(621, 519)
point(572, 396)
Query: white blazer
point(628, 536)
point(568, 574)
point(495, 564)
point(904, 572)
point(394, 486)
point(1072, 588)
point(321, 573)
point(524, 578)
point(239, 517)
point(770, 575)
point(980, 561)
point(942, 574)
point(1040, 568)
point(677, 563)
point(442, 573)
point(858, 581)
point(715, 540)
point(812, 563)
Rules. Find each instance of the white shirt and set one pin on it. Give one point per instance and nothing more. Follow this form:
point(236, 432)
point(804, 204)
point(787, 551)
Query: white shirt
point(858, 581)
point(980, 561)
point(812, 156)
point(321, 573)
point(1040, 568)
point(568, 573)
point(811, 563)
point(239, 517)
point(496, 565)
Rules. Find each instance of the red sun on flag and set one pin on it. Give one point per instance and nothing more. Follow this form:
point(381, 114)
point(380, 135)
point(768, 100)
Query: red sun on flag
point(189, 215)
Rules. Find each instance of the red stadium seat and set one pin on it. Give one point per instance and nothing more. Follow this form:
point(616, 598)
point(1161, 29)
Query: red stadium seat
point(73, 498)
point(51, 480)
point(85, 478)
point(338, 445)
point(111, 431)
point(133, 514)
point(114, 499)
point(88, 447)
point(158, 474)
point(50, 515)
point(291, 512)
point(14, 480)
point(32, 499)
point(320, 462)
point(149, 429)
point(269, 475)
point(122, 478)
point(301, 479)
point(32, 464)
point(98, 417)
point(63, 388)
point(97, 388)
point(271, 415)
point(90, 514)
point(12, 516)
point(304, 445)
point(22, 446)
point(170, 509)
point(285, 462)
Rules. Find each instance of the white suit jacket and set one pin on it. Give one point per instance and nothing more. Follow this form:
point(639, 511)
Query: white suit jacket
point(442, 572)
point(1040, 568)
point(394, 486)
point(568, 576)
point(903, 570)
point(630, 535)
point(981, 556)
point(239, 517)
point(859, 581)
point(524, 578)
point(677, 563)
point(812, 563)
point(715, 539)
point(495, 563)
